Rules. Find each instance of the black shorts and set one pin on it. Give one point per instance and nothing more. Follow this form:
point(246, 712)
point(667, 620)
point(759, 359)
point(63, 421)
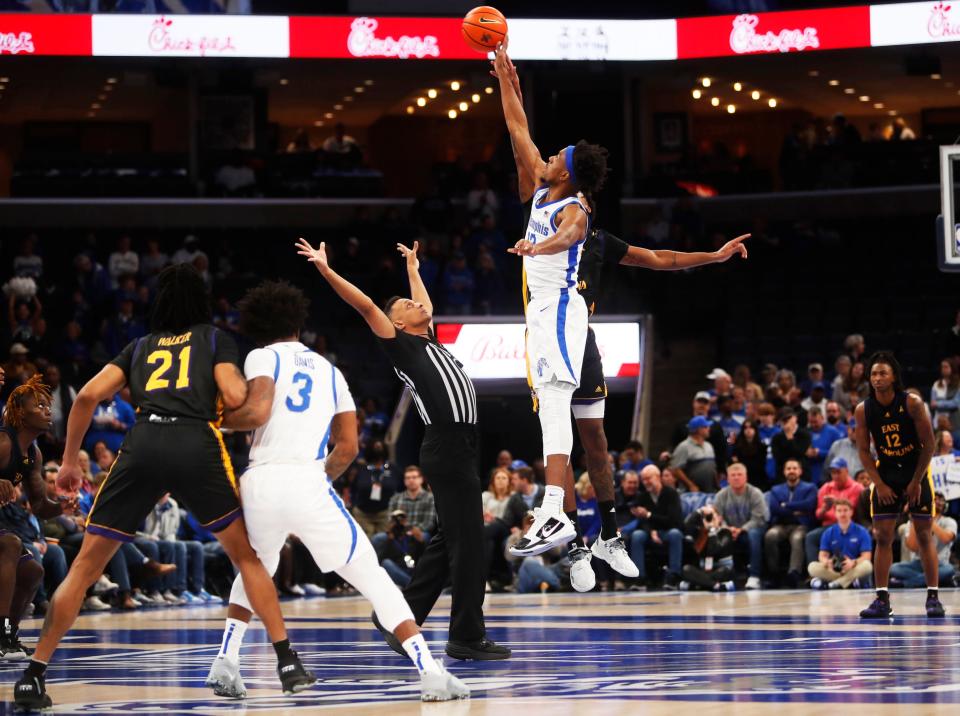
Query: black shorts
point(897, 477)
point(592, 387)
point(186, 458)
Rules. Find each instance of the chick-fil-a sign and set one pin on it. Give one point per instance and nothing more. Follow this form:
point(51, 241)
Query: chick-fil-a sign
point(773, 32)
point(164, 39)
point(45, 34)
point(914, 23)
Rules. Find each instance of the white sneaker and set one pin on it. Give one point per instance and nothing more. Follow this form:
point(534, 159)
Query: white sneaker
point(549, 529)
point(225, 680)
point(582, 577)
point(753, 583)
point(816, 583)
point(684, 586)
point(95, 604)
point(614, 552)
point(834, 585)
point(298, 590)
point(104, 585)
point(313, 590)
point(442, 686)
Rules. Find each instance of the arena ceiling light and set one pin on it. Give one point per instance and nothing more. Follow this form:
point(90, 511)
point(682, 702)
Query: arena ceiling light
point(463, 106)
point(474, 98)
point(488, 90)
point(715, 101)
point(697, 93)
point(771, 103)
point(452, 114)
point(833, 83)
point(737, 86)
point(455, 86)
point(706, 82)
point(755, 94)
point(432, 93)
point(421, 102)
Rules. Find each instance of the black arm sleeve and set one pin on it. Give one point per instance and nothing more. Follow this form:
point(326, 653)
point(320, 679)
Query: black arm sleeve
point(124, 361)
point(225, 348)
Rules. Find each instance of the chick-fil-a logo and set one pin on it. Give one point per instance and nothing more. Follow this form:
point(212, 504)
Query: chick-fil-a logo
point(744, 37)
point(938, 24)
point(362, 42)
point(162, 39)
point(14, 43)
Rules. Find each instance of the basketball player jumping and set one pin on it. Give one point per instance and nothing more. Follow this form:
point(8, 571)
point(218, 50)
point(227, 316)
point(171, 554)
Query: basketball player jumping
point(296, 401)
point(902, 435)
point(603, 251)
point(556, 314)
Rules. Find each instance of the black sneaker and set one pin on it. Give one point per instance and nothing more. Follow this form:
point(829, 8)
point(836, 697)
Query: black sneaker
point(30, 694)
point(878, 609)
point(293, 677)
point(13, 648)
point(388, 637)
point(671, 581)
point(935, 608)
point(483, 650)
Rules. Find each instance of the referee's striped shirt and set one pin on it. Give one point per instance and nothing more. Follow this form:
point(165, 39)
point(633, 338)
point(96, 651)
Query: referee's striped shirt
point(441, 389)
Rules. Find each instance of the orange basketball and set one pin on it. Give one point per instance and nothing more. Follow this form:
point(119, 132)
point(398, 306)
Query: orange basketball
point(484, 27)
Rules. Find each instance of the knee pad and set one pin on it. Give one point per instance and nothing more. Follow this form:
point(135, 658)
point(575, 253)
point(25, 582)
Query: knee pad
point(373, 582)
point(554, 414)
point(238, 594)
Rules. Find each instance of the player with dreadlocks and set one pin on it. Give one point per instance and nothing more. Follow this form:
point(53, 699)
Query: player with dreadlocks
point(27, 416)
point(180, 377)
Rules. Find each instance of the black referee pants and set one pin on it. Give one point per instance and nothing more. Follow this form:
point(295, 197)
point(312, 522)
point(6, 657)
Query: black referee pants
point(448, 460)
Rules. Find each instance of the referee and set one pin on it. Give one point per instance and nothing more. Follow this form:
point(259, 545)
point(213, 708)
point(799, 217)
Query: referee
point(447, 403)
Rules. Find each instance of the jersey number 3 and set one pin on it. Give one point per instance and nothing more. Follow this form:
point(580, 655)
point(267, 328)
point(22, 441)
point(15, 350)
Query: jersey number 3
point(165, 359)
point(304, 383)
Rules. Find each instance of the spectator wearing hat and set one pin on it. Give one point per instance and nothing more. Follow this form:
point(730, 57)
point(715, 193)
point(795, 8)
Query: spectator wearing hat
point(458, 284)
point(694, 459)
point(792, 442)
point(701, 406)
point(814, 375)
point(840, 486)
point(909, 570)
point(822, 438)
point(722, 383)
point(846, 449)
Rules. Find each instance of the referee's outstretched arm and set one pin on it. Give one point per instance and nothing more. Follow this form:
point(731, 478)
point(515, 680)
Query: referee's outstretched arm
point(377, 320)
point(418, 292)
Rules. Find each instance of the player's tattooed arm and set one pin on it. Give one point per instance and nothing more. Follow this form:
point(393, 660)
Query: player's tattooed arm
point(255, 410)
point(379, 322)
point(346, 447)
point(36, 489)
point(232, 384)
point(667, 260)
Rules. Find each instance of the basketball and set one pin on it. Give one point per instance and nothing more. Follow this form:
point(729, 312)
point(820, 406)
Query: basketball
point(484, 27)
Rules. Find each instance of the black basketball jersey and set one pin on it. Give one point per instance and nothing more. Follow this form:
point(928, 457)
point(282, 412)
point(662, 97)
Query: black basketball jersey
point(893, 430)
point(172, 374)
point(20, 465)
point(601, 255)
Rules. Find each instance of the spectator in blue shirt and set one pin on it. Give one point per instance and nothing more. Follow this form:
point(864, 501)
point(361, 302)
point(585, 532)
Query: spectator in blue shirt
point(458, 285)
point(845, 549)
point(588, 513)
point(792, 505)
point(822, 437)
point(111, 421)
point(729, 423)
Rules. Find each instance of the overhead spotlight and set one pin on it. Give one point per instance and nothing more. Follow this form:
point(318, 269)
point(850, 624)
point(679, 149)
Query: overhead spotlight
point(4, 80)
point(463, 106)
point(697, 93)
point(338, 107)
point(111, 80)
point(705, 81)
point(488, 90)
point(755, 94)
point(849, 90)
point(892, 112)
point(284, 81)
point(878, 105)
point(421, 102)
point(96, 105)
point(935, 76)
point(814, 73)
point(455, 86)
point(358, 90)
point(348, 98)
point(474, 98)
point(772, 102)
point(452, 114)
point(410, 109)
point(864, 98)
point(432, 93)
point(833, 83)
point(318, 123)
point(715, 101)
point(731, 109)
point(328, 115)
point(368, 83)
point(737, 86)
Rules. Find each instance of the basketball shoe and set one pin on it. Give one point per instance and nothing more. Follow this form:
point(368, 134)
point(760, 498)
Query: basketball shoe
point(582, 577)
point(225, 679)
point(442, 686)
point(614, 552)
point(549, 529)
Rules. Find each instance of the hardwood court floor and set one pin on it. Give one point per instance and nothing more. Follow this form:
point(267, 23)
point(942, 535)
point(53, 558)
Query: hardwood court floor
point(798, 652)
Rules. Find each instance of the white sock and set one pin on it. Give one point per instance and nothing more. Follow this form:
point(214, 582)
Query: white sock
point(232, 639)
point(553, 498)
point(419, 654)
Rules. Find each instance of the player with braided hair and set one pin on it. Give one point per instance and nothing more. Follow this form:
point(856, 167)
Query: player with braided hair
point(27, 416)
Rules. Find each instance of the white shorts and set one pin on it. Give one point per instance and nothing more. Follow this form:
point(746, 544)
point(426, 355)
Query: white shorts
point(280, 500)
point(556, 338)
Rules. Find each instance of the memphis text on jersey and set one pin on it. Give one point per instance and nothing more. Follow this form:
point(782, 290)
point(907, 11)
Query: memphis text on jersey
point(174, 340)
point(891, 445)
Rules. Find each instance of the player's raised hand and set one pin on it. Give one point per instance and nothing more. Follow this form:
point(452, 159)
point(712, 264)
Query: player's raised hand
point(732, 247)
point(410, 254)
point(70, 478)
point(501, 60)
point(523, 248)
point(316, 256)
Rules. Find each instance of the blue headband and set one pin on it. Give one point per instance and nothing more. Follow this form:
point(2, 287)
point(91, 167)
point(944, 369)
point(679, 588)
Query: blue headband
point(568, 158)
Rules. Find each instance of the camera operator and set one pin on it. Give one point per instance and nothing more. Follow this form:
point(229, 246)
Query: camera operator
point(399, 553)
point(845, 549)
point(713, 544)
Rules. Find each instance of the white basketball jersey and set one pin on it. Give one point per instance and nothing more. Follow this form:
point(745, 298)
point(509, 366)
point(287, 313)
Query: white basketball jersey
point(308, 392)
point(547, 276)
